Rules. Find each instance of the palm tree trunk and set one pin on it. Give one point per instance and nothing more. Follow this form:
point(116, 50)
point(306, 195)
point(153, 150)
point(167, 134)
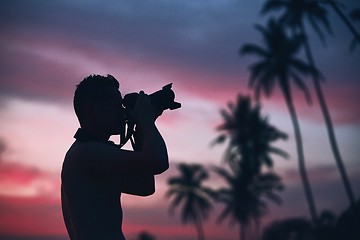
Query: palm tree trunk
point(242, 231)
point(345, 19)
point(199, 229)
point(301, 159)
point(257, 228)
point(249, 230)
point(328, 122)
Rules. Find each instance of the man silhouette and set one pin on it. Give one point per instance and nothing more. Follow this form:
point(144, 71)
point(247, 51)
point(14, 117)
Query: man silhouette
point(95, 171)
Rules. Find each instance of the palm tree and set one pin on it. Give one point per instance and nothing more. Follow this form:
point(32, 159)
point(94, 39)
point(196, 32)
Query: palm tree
point(244, 194)
point(238, 200)
point(296, 11)
point(278, 65)
point(187, 190)
point(266, 186)
point(249, 137)
point(249, 134)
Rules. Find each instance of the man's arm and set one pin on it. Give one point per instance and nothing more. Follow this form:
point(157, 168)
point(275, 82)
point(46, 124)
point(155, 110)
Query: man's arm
point(143, 184)
point(140, 185)
point(152, 159)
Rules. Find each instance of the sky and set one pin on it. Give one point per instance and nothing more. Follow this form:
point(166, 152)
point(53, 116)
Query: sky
point(48, 47)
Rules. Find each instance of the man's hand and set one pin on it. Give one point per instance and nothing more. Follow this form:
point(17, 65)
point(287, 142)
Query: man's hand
point(144, 110)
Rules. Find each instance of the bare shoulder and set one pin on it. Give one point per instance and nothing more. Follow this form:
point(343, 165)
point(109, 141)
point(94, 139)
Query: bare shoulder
point(91, 150)
point(102, 157)
point(84, 153)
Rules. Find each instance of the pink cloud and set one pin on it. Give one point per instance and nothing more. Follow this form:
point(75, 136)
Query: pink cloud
point(18, 180)
point(29, 201)
point(341, 102)
point(40, 214)
point(55, 64)
point(31, 216)
point(323, 174)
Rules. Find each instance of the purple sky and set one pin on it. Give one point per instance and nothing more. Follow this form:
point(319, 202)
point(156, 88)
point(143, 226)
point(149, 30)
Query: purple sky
point(47, 47)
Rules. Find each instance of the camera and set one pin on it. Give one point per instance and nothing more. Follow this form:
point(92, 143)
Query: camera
point(162, 100)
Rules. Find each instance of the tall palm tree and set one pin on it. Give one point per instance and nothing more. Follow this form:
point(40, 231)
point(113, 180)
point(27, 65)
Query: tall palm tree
point(249, 137)
point(294, 16)
point(188, 190)
point(278, 64)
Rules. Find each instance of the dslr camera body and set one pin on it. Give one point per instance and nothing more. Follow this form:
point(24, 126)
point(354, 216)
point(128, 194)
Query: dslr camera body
point(162, 100)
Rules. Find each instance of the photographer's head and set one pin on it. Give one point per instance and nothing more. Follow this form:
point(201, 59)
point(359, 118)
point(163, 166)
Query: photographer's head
point(98, 104)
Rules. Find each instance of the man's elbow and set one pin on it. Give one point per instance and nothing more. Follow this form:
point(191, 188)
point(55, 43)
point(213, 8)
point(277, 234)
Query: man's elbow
point(141, 193)
point(147, 193)
point(162, 166)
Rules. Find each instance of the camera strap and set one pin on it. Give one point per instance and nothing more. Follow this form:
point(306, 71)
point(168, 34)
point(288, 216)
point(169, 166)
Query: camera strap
point(127, 135)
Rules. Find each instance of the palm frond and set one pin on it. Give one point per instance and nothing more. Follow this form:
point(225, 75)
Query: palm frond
point(219, 140)
point(225, 213)
point(256, 70)
point(175, 203)
point(299, 82)
point(316, 27)
point(176, 181)
point(224, 174)
point(318, 12)
point(279, 152)
point(253, 49)
point(273, 5)
point(186, 190)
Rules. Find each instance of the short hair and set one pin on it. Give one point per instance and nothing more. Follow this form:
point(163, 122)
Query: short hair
point(92, 89)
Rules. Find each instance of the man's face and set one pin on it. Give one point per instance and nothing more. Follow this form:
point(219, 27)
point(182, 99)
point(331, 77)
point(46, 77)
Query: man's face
point(110, 112)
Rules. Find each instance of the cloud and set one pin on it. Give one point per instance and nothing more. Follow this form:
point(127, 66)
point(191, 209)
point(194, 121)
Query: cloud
point(39, 214)
point(147, 35)
point(322, 174)
point(17, 180)
point(29, 202)
point(30, 216)
point(33, 77)
point(194, 44)
point(327, 188)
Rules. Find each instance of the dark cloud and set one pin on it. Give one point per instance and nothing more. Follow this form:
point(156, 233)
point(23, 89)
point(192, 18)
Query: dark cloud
point(33, 77)
point(327, 187)
point(192, 36)
point(198, 40)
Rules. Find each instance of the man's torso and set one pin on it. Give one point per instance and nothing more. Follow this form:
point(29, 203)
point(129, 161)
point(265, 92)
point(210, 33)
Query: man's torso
point(90, 199)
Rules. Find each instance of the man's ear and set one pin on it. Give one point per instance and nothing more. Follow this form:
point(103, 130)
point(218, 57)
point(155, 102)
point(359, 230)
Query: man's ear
point(90, 110)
